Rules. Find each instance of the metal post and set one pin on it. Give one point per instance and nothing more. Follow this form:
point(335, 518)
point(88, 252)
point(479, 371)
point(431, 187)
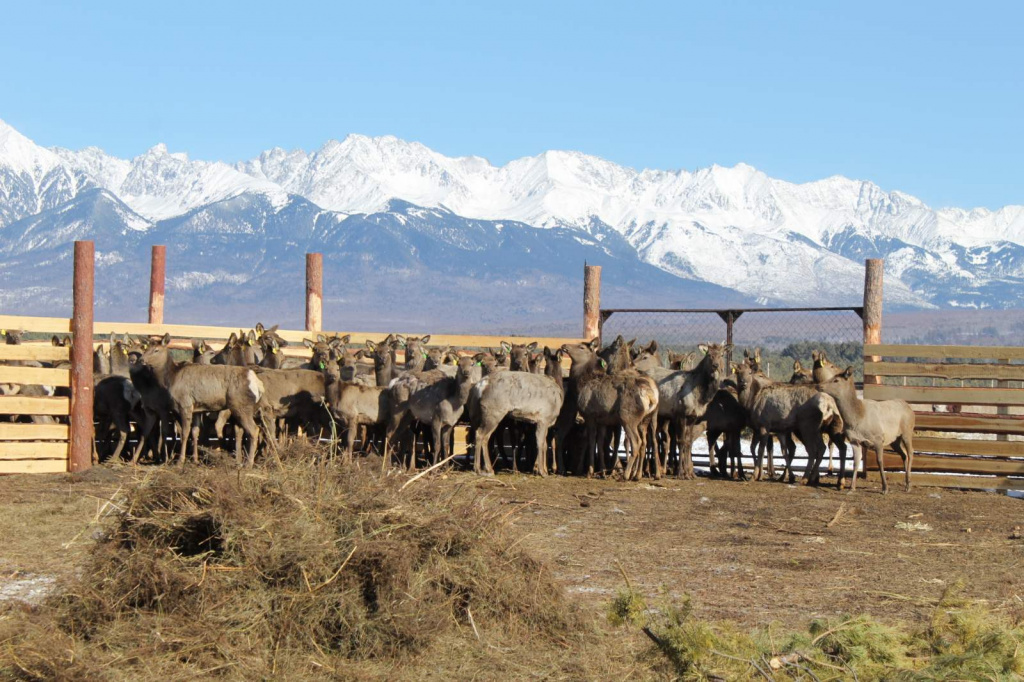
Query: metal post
point(157, 274)
point(80, 455)
point(591, 302)
point(729, 317)
point(314, 291)
point(873, 272)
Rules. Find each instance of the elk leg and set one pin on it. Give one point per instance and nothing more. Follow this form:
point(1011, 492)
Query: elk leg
point(904, 446)
point(879, 449)
point(841, 446)
point(245, 422)
point(185, 423)
point(540, 465)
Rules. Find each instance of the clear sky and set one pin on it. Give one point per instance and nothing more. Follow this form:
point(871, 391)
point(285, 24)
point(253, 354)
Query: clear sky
point(924, 97)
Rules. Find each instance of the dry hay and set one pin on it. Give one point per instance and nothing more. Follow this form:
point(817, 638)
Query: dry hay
point(307, 571)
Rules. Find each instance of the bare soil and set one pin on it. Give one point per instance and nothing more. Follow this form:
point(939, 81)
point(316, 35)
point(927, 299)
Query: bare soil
point(750, 553)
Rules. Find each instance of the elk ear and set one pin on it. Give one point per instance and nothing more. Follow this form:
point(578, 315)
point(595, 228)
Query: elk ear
point(309, 343)
point(532, 346)
point(703, 348)
point(166, 341)
point(99, 349)
point(652, 347)
point(196, 344)
point(259, 328)
point(727, 348)
point(55, 340)
point(814, 356)
point(797, 367)
point(757, 352)
point(400, 340)
point(847, 373)
point(506, 346)
point(251, 338)
point(594, 344)
point(822, 356)
point(345, 339)
point(321, 338)
point(372, 346)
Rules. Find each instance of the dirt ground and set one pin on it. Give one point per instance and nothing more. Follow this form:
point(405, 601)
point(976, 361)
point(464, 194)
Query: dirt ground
point(750, 553)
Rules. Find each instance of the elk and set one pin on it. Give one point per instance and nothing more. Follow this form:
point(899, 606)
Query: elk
point(415, 351)
point(202, 354)
point(786, 409)
point(803, 376)
point(725, 417)
point(684, 396)
point(115, 402)
point(385, 367)
point(627, 400)
point(295, 394)
point(869, 423)
point(432, 398)
point(357, 406)
point(209, 388)
point(523, 396)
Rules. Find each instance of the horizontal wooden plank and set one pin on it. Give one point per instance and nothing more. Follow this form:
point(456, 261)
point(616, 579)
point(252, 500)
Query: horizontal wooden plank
point(44, 376)
point(33, 466)
point(18, 404)
point(34, 432)
point(968, 423)
point(45, 325)
point(34, 351)
point(954, 465)
point(959, 352)
point(945, 371)
point(60, 325)
point(52, 450)
point(926, 480)
point(970, 446)
point(925, 395)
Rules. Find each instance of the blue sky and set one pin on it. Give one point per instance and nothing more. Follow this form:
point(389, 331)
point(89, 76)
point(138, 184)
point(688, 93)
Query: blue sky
point(927, 98)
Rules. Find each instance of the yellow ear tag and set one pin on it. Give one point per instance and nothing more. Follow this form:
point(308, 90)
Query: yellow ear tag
point(274, 351)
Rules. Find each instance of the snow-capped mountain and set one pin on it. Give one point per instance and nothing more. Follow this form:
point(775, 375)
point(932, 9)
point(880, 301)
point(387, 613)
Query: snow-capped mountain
point(412, 212)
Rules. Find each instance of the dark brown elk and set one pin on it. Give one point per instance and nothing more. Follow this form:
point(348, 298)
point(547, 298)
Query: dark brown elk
point(627, 400)
point(726, 418)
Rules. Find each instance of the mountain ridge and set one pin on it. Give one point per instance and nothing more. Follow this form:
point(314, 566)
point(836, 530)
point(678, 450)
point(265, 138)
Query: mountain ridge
point(768, 240)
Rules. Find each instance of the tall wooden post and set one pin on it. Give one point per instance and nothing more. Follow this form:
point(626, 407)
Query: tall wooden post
point(873, 270)
point(591, 301)
point(80, 456)
point(157, 275)
point(314, 291)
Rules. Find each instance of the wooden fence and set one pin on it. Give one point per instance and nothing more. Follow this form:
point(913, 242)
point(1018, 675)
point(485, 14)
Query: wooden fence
point(34, 448)
point(43, 448)
point(976, 440)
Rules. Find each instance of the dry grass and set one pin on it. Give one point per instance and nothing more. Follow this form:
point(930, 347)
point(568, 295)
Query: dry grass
point(302, 572)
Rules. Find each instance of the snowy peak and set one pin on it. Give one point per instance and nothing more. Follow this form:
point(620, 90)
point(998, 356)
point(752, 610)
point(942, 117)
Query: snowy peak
point(160, 184)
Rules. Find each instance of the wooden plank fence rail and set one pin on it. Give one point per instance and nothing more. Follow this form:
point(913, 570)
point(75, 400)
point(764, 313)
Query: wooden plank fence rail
point(60, 325)
point(983, 446)
point(27, 448)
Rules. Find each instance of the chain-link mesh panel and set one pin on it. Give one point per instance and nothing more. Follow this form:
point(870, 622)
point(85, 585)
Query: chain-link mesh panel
point(677, 332)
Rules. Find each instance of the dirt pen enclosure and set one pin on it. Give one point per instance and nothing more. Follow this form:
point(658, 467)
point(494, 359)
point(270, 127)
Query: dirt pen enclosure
point(320, 571)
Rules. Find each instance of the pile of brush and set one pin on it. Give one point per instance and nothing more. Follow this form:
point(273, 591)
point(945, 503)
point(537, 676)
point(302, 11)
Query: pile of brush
point(305, 571)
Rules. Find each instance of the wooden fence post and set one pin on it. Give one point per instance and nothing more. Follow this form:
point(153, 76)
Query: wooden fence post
point(591, 301)
point(157, 275)
point(314, 291)
point(80, 455)
point(873, 272)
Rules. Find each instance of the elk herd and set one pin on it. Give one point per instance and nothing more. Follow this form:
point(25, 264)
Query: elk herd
point(519, 402)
